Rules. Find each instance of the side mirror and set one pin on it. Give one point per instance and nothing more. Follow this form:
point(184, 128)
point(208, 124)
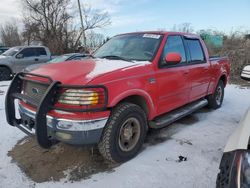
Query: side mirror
point(245, 74)
point(173, 57)
point(19, 56)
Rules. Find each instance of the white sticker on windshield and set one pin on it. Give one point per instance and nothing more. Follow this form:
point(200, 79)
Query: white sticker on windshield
point(153, 36)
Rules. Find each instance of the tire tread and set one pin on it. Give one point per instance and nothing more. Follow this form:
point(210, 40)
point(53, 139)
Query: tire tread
point(104, 144)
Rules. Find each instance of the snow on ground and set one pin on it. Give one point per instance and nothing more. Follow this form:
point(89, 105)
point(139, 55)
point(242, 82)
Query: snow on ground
point(200, 137)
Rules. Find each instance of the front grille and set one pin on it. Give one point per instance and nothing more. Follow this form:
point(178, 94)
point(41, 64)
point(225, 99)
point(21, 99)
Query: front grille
point(34, 90)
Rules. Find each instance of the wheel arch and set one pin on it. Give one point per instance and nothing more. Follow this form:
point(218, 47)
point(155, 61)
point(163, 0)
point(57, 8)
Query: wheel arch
point(223, 78)
point(213, 84)
point(6, 66)
point(138, 97)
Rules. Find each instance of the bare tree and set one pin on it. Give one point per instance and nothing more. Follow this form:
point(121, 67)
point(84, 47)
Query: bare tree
point(50, 23)
point(10, 35)
point(31, 32)
point(94, 40)
point(184, 27)
point(91, 19)
point(46, 21)
point(237, 48)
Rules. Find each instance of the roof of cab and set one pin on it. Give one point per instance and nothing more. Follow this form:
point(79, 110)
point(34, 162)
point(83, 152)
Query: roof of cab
point(30, 46)
point(189, 35)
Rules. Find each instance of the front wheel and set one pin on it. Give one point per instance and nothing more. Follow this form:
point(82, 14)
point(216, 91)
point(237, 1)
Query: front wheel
point(5, 74)
point(124, 134)
point(216, 99)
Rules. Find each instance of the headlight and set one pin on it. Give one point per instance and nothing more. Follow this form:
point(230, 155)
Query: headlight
point(79, 97)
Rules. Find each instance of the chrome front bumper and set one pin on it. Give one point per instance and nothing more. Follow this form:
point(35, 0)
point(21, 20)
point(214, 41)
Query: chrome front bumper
point(80, 132)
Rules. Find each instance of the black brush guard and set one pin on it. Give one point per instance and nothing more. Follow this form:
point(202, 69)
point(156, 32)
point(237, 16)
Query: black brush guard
point(43, 107)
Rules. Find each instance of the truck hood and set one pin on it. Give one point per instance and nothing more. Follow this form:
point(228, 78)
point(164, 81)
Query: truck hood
point(33, 67)
point(4, 58)
point(82, 72)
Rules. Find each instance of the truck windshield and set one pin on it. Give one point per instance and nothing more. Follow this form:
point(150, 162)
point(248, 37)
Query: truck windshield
point(138, 47)
point(12, 51)
point(61, 58)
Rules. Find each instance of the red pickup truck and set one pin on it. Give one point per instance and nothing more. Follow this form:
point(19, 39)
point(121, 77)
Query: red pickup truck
point(134, 82)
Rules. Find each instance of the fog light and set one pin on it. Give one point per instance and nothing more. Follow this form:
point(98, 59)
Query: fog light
point(64, 125)
point(63, 136)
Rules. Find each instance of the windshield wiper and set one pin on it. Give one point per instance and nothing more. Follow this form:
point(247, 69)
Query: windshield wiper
point(115, 57)
point(90, 55)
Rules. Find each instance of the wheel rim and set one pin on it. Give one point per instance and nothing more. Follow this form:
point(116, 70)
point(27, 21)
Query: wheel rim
point(218, 96)
point(129, 134)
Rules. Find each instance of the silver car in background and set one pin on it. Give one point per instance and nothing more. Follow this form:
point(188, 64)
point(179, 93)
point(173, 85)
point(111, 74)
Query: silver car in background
point(17, 58)
point(58, 59)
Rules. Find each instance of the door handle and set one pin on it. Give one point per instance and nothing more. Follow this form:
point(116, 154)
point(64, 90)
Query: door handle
point(36, 59)
point(186, 73)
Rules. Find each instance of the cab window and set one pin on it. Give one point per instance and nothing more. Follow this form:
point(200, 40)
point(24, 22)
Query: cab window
point(41, 51)
point(28, 52)
point(195, 50)
point(173, 44)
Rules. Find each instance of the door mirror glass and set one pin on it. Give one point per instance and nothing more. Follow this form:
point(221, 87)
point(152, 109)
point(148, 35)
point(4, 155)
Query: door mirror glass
point(19, 56)
point(245, 74)
point(173, 57)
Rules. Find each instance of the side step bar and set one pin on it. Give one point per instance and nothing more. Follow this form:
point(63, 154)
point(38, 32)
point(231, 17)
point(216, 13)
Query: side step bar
point(175, 115)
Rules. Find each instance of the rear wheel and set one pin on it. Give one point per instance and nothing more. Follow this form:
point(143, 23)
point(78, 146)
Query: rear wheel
point(124, 134)
point(5, 74)
point(216, 99)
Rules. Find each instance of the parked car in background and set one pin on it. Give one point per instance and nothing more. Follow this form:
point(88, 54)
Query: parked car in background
point(3, 49)
point(68, 57)
point(17, 58)
point(235, 162)
point(134, 82)
point(58, 59)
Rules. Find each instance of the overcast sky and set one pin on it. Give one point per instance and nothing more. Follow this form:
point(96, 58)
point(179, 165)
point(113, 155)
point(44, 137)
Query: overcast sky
point(9, 10)
point(135, 15)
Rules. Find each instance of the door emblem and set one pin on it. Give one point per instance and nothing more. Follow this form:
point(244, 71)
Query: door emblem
point(35, 90)
point(152, 80)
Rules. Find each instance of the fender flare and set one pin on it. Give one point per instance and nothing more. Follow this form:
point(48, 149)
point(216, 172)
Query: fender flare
point(221, 75)
point(136, 92)
point(213, 88)
point(2, 65)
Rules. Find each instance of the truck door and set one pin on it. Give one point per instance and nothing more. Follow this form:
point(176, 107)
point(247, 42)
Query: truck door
point(24, 58)
point(199, 69)
point(173, 86)
point(42, 55)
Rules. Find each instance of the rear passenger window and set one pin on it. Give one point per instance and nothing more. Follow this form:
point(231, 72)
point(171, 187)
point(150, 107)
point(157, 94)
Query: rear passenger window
point(195, 49)
point(41, 51)
point(174, 44)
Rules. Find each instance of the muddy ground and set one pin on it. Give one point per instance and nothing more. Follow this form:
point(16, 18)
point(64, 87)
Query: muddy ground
point(77, 163)
point(58, 162)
